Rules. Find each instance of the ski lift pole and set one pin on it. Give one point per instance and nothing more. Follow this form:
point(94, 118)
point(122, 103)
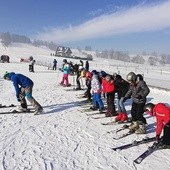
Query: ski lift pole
point(82, 84)
point(57, 75)
point(73, 80)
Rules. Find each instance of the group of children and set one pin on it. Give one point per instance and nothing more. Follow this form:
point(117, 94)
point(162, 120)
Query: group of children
point(134, 88)
point(100, 83)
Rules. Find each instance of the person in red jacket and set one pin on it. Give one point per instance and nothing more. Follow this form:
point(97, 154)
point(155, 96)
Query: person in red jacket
point(109, 89)
point(162, 114)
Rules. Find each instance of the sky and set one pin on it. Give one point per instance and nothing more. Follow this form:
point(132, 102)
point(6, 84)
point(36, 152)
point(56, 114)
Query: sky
point(128, 25)
point(64, 137)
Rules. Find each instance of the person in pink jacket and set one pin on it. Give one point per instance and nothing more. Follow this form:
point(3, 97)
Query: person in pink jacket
point(162, 114)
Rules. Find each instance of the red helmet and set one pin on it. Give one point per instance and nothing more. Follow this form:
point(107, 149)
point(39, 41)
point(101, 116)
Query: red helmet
point(88, 74)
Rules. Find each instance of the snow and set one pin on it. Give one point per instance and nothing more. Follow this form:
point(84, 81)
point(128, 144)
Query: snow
point(63, 138)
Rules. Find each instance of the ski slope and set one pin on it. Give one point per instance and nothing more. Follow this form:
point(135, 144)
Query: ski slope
point(63, 138)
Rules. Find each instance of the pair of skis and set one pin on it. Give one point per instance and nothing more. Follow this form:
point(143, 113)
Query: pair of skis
point(14, 111)
point(146, 153)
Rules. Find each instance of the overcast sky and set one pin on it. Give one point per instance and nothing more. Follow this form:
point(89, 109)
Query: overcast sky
point(132, 25)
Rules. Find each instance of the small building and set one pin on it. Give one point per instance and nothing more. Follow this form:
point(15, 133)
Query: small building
point(63, 52)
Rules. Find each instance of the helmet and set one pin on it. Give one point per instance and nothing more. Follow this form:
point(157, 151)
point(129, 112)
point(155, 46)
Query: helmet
point(64, 61)
point(88, 74)
point(149, 107)
point(108, 78)
point(80, 67)
point(131, 77)
point(94, 72)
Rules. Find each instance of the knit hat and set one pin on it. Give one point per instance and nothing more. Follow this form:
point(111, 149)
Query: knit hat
point(6, 75)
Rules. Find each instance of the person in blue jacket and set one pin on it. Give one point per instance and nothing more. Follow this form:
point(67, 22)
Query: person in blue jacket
point(23, 87)
point(54, 64)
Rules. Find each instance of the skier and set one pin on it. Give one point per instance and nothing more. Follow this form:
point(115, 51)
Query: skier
point(138, 90)
point(23, 87)
point(66, 71)
point(109, 89)
point(162, 114)
point(79, 74)
point(54, 64)
point(88, 84)
point(96, 92)
point(31, 65)
point(87, 66)
point(121, 88)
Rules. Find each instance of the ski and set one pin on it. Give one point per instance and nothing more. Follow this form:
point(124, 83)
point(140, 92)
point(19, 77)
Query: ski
point(150, 150)
point(95, 113)
point(116, 122)
point(135, 143)
point(124, 135)
point(5, 106)
point(87, 110)
point(17, 112)
point(122, 128)
point(100, 117)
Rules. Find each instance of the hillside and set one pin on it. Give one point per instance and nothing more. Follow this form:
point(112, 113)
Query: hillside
point(42, 55)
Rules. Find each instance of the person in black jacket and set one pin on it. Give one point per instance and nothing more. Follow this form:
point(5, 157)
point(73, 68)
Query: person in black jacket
point(138, 91)
point(121, 88)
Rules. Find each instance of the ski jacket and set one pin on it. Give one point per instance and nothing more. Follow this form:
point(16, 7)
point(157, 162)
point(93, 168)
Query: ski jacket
point(20, 80)
point(121, 86)
point(66, 68)
point(108, 87)
point(162, 113)
point(32, 62)
point(55, 62)
point(95, 84)
point(138, 92)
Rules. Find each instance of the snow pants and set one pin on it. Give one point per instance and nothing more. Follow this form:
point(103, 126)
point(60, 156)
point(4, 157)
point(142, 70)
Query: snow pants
point(166, 134)
point(137, 112)
point(27, 91)
point(65, 79)
point(111, 104)
point(97, 101)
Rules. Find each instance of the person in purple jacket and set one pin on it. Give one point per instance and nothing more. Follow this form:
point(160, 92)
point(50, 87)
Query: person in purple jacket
point(23, 87)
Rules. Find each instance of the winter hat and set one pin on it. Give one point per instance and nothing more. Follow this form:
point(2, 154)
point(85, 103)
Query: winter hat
point(94, 72)
point(102, 74)
point(64, 61)
point(80, 67)
point(6, 75)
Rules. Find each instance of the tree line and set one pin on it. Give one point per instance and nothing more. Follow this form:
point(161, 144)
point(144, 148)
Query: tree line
point(7, 39)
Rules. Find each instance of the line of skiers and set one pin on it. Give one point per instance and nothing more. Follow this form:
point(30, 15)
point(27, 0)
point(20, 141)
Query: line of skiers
point(134, 88)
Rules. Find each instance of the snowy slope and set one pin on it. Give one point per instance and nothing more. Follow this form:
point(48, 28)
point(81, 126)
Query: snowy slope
point(64, 138)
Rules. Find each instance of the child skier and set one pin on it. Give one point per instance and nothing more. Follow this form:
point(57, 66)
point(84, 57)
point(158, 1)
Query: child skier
point(121, 88)
point(109, 89)
point(66, 71)
point(162, 114)
point(96, 91)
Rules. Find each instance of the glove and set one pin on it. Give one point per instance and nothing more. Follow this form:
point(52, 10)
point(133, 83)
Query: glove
point(124, 99)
